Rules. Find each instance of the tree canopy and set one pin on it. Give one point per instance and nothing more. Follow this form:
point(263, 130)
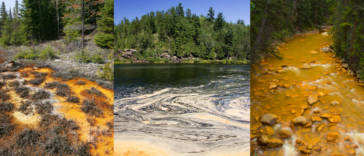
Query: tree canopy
point(183, 34)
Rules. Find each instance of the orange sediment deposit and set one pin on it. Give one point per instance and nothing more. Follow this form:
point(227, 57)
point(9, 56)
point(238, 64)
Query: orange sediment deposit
point(322, 109)
point(56, 113)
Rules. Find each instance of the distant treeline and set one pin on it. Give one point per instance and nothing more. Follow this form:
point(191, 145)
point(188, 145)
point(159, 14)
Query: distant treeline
point(183, 34)
point(36, 21)
point(275, 20)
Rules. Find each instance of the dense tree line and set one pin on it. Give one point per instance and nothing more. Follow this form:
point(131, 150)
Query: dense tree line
point(37, 21)
point(275, 20)
point(348, 33)
point(184, 34)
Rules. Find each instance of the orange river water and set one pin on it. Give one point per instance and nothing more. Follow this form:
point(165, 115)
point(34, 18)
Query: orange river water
point(341, 132)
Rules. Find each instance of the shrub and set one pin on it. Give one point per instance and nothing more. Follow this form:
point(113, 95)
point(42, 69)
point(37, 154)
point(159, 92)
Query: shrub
point(107, 72)
point(47, 54)
point(44, 108)
point(90, 108)
point(104, 40)
point(73, 99)
point(84, 56)
point(40, 95)
point(6, 107)
point(26, 54)
point(23, 92)
point(27, 137)
point(97, 58)
point(24, 108)
point(4, 96)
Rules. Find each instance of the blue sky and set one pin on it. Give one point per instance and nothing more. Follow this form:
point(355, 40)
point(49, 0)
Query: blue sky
point(231, 9)
point(10, 3)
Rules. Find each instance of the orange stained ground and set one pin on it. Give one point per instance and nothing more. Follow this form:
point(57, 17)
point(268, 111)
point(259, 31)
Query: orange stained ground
point(104, 145)
point(328, 80)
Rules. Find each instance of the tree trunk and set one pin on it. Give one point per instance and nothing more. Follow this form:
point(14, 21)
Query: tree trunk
point(83, 22)
point(57, 18)
point(257, 41)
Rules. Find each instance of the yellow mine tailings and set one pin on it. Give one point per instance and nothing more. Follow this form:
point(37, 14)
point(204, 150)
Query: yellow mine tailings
point(104, 145)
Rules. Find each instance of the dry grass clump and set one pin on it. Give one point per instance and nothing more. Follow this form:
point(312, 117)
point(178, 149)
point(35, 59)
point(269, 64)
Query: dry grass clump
point(2, 84)
point(73, 99)
point(62, 89)
point(6, 107)
point(91, 109)
point(28, 137)
point(36, 82)
point(6, 126)
point(91, 121)
point(15, 83)
point(8, 76)
point(40, 75)
point(40, 95)
point(95, 92)
point(23, 92)
point(4, 96)
point(25, 107)
point(81, 83)
point(44, 107)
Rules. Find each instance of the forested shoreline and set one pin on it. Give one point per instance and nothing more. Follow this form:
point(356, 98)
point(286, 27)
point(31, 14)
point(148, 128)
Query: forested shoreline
point(348, 34)
point(181, 35)
point(77, 31)
point(274, 21)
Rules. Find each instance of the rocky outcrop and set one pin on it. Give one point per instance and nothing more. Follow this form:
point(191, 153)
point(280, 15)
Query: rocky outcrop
point(175, 59)
point(129, 54)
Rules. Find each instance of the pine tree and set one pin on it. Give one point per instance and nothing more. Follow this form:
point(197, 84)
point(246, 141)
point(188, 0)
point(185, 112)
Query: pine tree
point(219, 23)
point(105, 37)
point(188, 14)
point(210, 15)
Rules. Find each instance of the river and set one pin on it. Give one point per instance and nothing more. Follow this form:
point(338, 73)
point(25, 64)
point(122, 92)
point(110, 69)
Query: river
point(317, 111)
point(182, 109)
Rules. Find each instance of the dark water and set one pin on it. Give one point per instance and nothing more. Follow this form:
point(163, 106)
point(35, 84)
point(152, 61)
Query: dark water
point(192, 108)
point(138, 79)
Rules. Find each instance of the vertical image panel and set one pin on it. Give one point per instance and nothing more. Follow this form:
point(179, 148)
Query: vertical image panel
point(306, 81)
point(56, 77)
point(182, 78)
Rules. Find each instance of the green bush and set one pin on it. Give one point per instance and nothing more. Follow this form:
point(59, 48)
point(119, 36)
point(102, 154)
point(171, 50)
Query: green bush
point(97, 58)
point(47, 54)
point(104, 40)
point(71, 36)
point(107, 72)
point(83, 56)
point(26, 54)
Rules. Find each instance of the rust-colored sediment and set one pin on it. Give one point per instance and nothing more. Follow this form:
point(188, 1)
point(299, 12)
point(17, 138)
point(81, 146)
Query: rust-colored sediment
point(104, 141)
point(285, 91)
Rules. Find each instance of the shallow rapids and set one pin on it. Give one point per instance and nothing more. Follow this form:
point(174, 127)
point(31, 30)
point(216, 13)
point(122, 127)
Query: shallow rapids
point(210, 117)
point(327, 96)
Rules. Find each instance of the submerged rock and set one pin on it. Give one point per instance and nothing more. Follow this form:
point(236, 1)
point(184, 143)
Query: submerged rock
point(306, 66)
point(300, 120)
point(274, 143)
point(332, 136)
point(326, 115)
point(335, 103)
point(312, 99)
point(284, 134)
point(262, 139)
point(270, 119)
point(325, 49)
point(272, 85)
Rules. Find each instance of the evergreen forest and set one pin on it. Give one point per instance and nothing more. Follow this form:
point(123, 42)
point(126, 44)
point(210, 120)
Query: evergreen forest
point(180, 33)
point(275, 20)
point(37, 21)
